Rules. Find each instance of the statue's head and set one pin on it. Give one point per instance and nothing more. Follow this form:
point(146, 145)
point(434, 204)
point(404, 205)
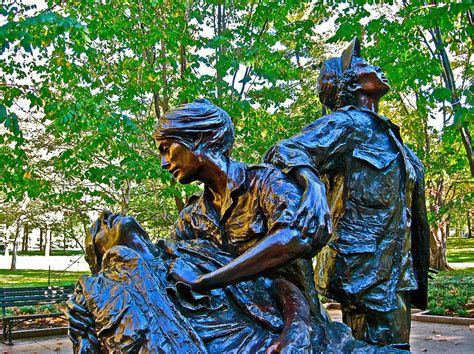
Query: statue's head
point(113, 230)
point(191, 133)
point(342, 79)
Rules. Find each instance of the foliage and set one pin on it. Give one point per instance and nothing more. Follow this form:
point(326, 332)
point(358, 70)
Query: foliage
point(31, 310)
point(84, 82)
point(92, 78)
point(452, 293)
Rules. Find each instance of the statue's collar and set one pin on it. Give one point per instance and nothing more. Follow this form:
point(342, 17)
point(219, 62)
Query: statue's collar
point(236, 176)
point(387, 122)
point(236, 173)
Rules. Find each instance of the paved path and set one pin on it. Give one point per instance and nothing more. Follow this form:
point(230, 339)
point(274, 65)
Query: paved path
point(58, 344)
point(425, 338)
point(462, 265)
point(434, 337)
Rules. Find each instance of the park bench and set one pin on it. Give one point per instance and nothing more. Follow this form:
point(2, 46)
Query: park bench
point(30, 296)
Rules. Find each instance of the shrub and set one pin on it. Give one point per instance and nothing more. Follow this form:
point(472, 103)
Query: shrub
point(451, 294)
point(27, 310)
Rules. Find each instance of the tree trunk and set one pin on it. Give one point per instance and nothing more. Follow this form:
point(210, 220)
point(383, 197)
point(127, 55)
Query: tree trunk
point(17, 234)
point(164, 77)
point(25, 240)
point(182, 48)
point(125, 197)
point(41, 239)
point(469, 231)
point(438, 259)
point(450, 83)
point(467, 142)
point(85, 227)
point(219, 24)
point(47, 247)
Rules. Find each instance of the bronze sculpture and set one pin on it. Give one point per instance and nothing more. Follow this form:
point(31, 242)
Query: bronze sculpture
point(378, 256)
point(236, 279)
point(238, 275)
point(123, 306)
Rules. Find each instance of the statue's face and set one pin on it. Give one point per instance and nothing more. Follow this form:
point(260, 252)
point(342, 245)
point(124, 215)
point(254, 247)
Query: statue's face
point(372, 80)
point(114, 229)
point(184, 164)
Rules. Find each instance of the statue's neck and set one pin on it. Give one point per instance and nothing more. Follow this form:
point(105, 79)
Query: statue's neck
point(368, 102)
point(215, 178)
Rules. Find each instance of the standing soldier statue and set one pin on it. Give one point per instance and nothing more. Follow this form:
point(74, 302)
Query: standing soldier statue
point(376, 262)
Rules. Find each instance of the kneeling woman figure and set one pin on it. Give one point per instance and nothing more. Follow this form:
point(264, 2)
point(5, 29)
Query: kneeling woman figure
point(237, 278)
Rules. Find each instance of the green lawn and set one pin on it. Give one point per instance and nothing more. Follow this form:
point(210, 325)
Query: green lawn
point(452, 293)
point(53, 253)
point(28, 277)
point(460, 249)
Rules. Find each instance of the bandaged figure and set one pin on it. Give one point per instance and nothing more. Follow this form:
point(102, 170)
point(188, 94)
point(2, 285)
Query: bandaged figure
point(130, 304)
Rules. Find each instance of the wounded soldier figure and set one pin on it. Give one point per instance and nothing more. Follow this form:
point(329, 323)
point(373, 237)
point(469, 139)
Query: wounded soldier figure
point(237, 276)
point(128, 304)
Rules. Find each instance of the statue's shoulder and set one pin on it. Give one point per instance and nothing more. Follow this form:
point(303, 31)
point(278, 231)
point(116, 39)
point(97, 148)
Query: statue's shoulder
point(333, 120)
point(357, 115)
point(264, 171)
point(268, 176)
point(415, 160)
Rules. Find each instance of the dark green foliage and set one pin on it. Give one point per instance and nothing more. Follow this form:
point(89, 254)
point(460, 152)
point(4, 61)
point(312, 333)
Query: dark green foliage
point(99, 75)
point(86, 81)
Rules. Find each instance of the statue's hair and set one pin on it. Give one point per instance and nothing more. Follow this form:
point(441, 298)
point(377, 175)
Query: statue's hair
point(333, 84)
point(198, 125)
point(328, 82)
point(344, 96)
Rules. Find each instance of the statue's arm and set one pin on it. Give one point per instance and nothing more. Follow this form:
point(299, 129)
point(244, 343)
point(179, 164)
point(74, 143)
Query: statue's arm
point(313, 214)
point(278, 198)
point(320, 148)
point(296, 334)
point(420, 236)
point(278, 249)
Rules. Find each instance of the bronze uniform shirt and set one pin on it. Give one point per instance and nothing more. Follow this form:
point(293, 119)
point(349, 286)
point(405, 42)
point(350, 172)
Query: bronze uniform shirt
point(371, 178)
point(259, 199)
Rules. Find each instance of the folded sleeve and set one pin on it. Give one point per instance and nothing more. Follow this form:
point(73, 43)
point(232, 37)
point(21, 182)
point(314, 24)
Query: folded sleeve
point(279, 199)
point(322, 145)
point(182, 228)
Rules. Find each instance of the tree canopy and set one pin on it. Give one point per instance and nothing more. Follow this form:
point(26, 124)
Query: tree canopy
point(83, 84)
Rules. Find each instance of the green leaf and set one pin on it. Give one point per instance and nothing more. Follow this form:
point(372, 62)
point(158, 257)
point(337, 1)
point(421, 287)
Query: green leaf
point(3, 113)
